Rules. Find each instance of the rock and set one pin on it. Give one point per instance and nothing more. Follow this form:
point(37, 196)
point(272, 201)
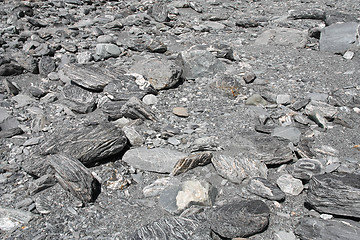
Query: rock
point(37, 49)
point(179, 228)
point(305, 168)
point(158, 186)
point(256, 100)
point(78, 99)
point(317, 14)
point(324, 109)
point(11, 218)
point(107, 50)
point(161, 73)
point(348, 55)
point(205, 144)
point(317, 229)
point(177, 198)
point(247, 23)
point(291, 133)
point(92, 78)
point(338, 38)
point(197, 63)
point(249, 77)
point(283, 99)
point(27, 62)
point(46, 65)
point(180, 112)
point(41, 184)
point(283, 37)
point(335, 193)
point(230, 85)
point(191, 161)
point(263, 188)
point(112, 109)
point(11, 88)
point(160, 160)
point(290, 185)
point(239, 219)
point(88, 144)
point(84, 57)
point(10, 69)
point(73, 176)
point(283, 235)
point(238, 168)
point(37, 166)
point(156, 46)
point(159, 12)
point(150, 99)
point(136, 109)
point(133, 136)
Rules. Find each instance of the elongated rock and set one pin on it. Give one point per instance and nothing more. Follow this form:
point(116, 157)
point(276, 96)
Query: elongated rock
point(136, 109)
point(306, 168)
point(335, 193)
point(88, 144)
point(318, 229)
point(192, 161)
point(265, 189)
point(75, 177)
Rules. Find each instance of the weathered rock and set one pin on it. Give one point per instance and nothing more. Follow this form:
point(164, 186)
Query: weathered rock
point(265, 189)
point(75, 177)
point(257, 100)
point(37, 166)
point(159, 12)
point(180, 112)
point(46, 65)
point(158, 186)
point(191, 161)
point(290, 185)
point(221, 51)
point(10, 218)
point(112, 109)
point(177, 198)
point(305, 168)
point(156, 46)
point(41, 183)
point(237, 168)
point(88, 144)
point(205, 144)
point(230, 85)
point(335, 193)
point(282, 37)
point(239, 219)
point(10, 69)
point(78, 99)
point(249, 77)
point(160, 160)
point(11, 88)
point(317, 229)
point(291, 133)
point(315, 13)
point(324, 109)
point(283, 235)
point(107, 50)
point(136, 109)
point(338, 38)
point(161, 73)
point(37, 49)
point(197, 63)
point(135, 138)
point(27, 62)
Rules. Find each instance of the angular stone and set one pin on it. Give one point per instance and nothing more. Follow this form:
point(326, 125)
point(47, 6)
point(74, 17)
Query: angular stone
point(46, 65)
point(73, 176)
point(41, 184)
point(335, 193)
point(237, 168)
point(198, 63)
point(37, 166)
point(180, 112)
point(283, 235)
point(249, 77)
point(10, 218)
point(107, 50)
point(291, 133)
point(263, 188)
point(133, 136)
point(156, 46)
point(160, 160)
point(112, 109)
point(10, 69)
point(257, 100)
point(205, 144)
point(315, 13)
point(136, 109)
point(290, 185)
point(191, 161)
point(88, 144)
point(161, 73)
point(305, 168)
point(283, 37)
point(11, 88)
point(159, 12)
point(239, 219)
point(158, 186)
point(78, 99)
point(230, 85)
point(338, 38)
point(27, 62)
point(317, 229)
point(177, 198)
point(324, 109)
point(92, 78)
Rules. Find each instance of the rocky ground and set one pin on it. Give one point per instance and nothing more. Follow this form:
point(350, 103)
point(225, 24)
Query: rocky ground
point(180, 119)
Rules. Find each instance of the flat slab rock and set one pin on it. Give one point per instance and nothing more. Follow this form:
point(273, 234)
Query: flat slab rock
point(263, 188)
point(240, 219)
point(335, 193)
point(88, 144)
point(319, 229)
point(161, 160)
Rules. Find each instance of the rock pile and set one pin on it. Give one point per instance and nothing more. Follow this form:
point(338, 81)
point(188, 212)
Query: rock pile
point(184, 119)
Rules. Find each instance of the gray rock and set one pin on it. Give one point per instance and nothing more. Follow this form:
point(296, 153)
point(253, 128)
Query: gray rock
point(239, 167)
point(159, 12)
point(290, 185)
point(291, 133)
point(37, 49)
point(263, 188)
point(46, 65)
point(150, 99)
point(73, 176)
point(191, 161)
point(88, 144)
point(10, 218)
point(136, 109)
point(158, 186)
point(161, 73)
point(156, 46)
point(324, 109)
point(283, 37)
point(338, 38)
point(305, 168)
point(160, 160)
point(135, 138)
point(256, 100)
point(10, 69)
point(317, 229)
point(283, 99)
point(37, 166)
point(239, 219)
point(84, 57)
point(11, 88)
point(205, 144)
point(335, 193)
point(283, 235)
point(107, 50)
point(78, 99)
point(26, 61)
point(230, 85)
point(314, 13)
point(198, 63)
point(112, 109)
point(41, 184)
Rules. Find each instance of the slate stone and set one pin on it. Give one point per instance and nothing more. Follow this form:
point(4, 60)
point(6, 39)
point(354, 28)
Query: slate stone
point(335, 193)
point(136, 109)
point(11, 88)
point(290, 185)
point(180, 112)
point(135, 138)
point(156, 46)
point(10, 69)
point(37, 166)
point(11, 132)
point(41, 184)
point(78, 99)
point(283, 235)
point(11, 218)
point(198, 63)
point(75, 177)
point(317, 229)
point(161, 73)
point(305, 168)
point(107, 50)
point(317, 14)
point(239, 219)
point(112, 109)
point(92, 78)
point(88, 144)
point(283, 37)
point(159, 12)
point(338, 38)
point(191, 161)
point(264, 188)
point(160, 160)
point(158, 186)
point(324, 109)
point(256, 100)
point(237, 168)
point(27, 62)
point(46, 65)
point(291, 133)
point(178, 228)
point(37, 49)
